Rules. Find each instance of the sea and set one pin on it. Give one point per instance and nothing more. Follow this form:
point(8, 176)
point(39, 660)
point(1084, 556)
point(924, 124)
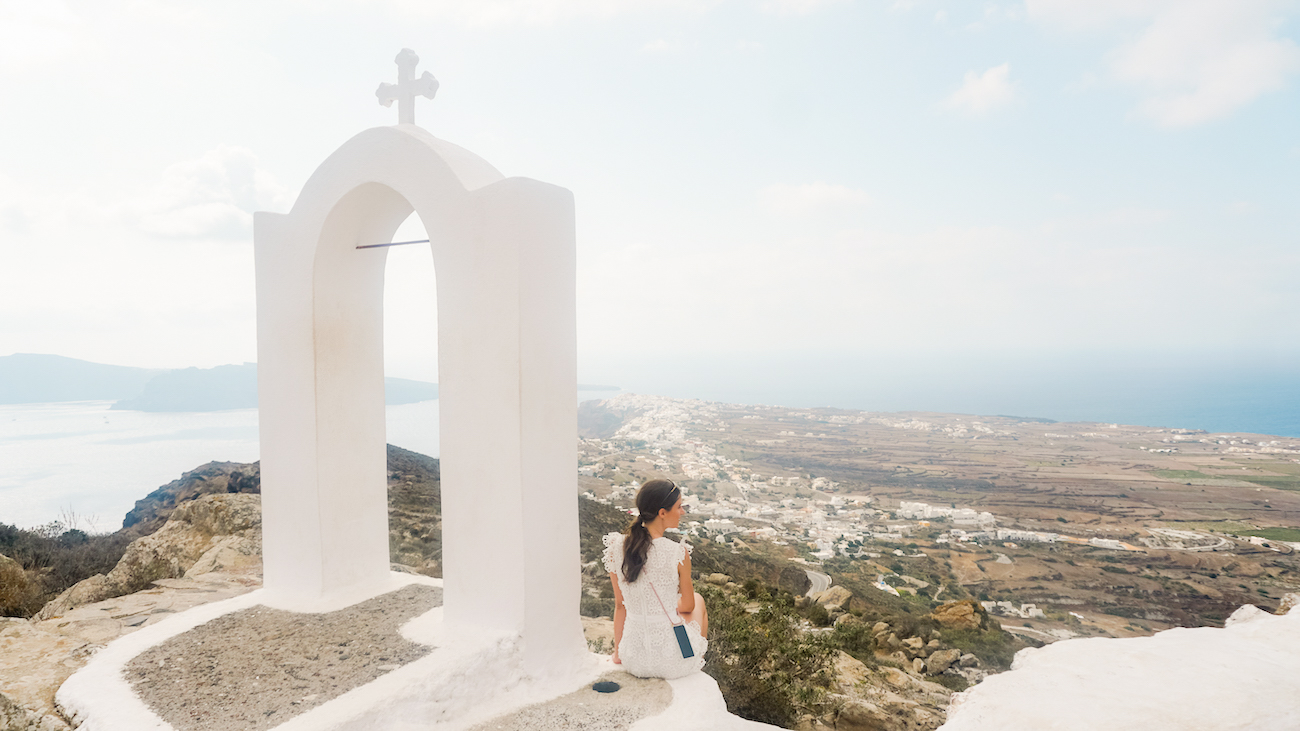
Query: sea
point(83, 465)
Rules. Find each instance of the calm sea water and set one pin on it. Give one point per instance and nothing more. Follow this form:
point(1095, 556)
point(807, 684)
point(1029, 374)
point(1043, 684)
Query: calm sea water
point(80, 458)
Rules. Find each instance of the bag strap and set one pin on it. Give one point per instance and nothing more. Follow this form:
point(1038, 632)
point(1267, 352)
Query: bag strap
point(661, 604)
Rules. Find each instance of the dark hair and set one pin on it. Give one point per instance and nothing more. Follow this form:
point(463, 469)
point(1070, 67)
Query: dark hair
point(650, 499)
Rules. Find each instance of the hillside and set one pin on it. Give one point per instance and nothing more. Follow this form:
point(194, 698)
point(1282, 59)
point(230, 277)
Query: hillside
point(235, 387)
point(27, 378)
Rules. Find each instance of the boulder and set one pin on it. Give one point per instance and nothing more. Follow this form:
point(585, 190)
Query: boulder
point(941, 660)
point(850, 672)
point(847, 620)
point(879, 627)
point(964, 614)
point(969, 661)
point(14, 717)
point(18, 590)
point(86, 591)
point(717, 579)
point(232, 553)
point(892, 641)
point(220, 531)
point(860, 715)
point(913, 644)
point(836, 596)
point(918, 665)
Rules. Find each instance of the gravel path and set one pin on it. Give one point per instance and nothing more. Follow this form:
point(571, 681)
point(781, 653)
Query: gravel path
point(587, 710)
point(259, 667)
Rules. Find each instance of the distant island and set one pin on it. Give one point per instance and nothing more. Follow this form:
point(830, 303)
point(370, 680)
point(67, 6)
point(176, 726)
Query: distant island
point(28, 378)
point(31, 378)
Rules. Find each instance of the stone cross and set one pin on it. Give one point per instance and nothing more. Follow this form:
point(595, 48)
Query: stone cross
point(407, 87)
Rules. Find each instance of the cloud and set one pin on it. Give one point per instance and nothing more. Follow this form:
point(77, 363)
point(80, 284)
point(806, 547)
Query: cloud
point(35, 32)
point(980, 94)
point(529, 12)
point(795, 7)
point(801, 200)
point(1194, 60)
point(662, 45)
point(211, 197)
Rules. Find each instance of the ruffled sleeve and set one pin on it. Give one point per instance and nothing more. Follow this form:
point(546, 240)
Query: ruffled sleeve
point(613, 556)
point(686, 550)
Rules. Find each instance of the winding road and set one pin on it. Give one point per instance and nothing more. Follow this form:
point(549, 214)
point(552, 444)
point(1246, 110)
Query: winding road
point(820, 581)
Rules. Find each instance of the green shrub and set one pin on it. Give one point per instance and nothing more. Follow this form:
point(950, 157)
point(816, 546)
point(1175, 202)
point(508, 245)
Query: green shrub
point(767, 668)
point(591, 606)
point(855, 638)
point(994, 646)
point(817, 615)
point(52, 559)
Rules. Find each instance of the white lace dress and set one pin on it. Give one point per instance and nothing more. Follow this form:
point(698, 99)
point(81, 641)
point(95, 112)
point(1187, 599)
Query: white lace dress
point(649, 646)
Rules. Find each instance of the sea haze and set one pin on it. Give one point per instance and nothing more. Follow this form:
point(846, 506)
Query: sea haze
point(1259, 395)
point(85, 458)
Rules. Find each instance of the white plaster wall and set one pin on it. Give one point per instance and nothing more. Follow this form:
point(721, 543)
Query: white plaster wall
point(504, 257)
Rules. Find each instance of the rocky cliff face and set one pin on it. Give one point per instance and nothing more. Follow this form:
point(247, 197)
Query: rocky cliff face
point(151, 512)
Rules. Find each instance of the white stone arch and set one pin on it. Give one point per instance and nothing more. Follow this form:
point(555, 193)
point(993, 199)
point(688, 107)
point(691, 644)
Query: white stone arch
point(504, 257)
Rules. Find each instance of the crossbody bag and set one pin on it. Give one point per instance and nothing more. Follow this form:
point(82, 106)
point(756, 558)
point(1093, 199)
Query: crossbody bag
point(683, 640)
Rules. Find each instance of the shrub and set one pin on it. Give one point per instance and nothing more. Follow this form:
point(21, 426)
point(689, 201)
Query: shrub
point(994, 646)
point(768, 670)
point(20, 595)
point(855, 638)
point(591, 606)
point(50, 560)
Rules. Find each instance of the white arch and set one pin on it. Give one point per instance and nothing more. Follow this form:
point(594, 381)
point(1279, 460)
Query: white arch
point(504, 257)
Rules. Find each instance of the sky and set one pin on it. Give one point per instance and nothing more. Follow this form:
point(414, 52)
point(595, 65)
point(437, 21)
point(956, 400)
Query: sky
point(833, 184)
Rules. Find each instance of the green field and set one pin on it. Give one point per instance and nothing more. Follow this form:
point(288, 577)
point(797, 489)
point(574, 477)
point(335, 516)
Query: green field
point(1288, 482)
point(1218, 526)
point(1182, 475)
point(1277, 534)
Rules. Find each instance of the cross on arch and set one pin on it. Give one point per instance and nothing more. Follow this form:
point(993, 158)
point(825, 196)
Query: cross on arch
point(407, 87)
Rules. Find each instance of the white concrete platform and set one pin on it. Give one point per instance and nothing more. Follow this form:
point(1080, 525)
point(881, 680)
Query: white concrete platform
point(466, 681)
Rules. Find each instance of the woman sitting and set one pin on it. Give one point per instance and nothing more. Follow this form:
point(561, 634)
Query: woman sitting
point(653, 591)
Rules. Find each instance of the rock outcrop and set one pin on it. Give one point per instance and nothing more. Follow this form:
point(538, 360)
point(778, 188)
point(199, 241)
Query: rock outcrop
point(964, 614)
point(836, 597)
point(213, 533)
point(152, 512)
point(883, 699)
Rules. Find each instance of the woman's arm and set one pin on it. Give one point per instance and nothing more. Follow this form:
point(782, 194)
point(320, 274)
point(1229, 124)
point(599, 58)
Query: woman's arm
point(684, 585)
point(620, 616)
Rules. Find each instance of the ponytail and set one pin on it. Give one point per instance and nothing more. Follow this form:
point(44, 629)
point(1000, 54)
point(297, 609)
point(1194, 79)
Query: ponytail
point(636, 546)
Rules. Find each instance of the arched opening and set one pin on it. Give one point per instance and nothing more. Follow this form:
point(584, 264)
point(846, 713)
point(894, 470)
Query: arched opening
point(411, 402)
point(411, 341)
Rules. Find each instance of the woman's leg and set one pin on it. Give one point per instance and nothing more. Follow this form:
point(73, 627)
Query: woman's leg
point(699, 613)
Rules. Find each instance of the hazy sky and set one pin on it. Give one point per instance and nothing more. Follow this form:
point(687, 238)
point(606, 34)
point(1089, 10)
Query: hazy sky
point(752, 177)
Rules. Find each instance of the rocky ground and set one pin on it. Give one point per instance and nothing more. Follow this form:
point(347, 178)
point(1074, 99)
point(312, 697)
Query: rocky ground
point(278, 664)
point(36, 656)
